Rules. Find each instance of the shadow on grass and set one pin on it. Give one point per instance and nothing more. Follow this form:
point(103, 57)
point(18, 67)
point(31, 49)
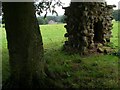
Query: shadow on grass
point(72, 71)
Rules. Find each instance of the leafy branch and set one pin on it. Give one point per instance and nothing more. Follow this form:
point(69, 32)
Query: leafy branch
point(48, 6)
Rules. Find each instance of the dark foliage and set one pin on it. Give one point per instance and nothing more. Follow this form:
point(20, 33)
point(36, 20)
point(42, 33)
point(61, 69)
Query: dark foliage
point(43, 21)
point(48, 6)
point(116, 15)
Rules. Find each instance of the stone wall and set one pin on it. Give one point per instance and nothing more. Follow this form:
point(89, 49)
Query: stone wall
point(88, 24)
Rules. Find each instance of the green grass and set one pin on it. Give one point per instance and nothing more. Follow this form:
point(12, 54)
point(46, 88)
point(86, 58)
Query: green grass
point(5, 57)
point(0, 58)
point(95, 71)
point(114, 39)
point(53, 35)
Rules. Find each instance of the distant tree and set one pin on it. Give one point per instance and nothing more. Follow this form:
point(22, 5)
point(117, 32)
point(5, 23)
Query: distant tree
point(116, 15)
point(42, 20)
point(62, 19)
point(51, 18)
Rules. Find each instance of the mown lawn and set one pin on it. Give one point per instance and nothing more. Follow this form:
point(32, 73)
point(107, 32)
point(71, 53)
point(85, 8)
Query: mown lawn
point(96, 71)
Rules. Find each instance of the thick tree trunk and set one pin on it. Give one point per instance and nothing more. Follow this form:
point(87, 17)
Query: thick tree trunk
point(24, 44)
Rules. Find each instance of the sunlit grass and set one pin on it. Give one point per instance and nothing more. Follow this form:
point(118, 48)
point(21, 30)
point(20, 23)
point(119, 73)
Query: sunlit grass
point(115, 34)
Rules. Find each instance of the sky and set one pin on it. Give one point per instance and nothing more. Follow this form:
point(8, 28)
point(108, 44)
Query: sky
point(67, 2)
point(60, 11)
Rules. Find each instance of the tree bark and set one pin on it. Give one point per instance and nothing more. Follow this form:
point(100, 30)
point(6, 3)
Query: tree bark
point(24, 44)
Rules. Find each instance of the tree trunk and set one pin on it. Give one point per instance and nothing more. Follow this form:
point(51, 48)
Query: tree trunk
point(24, 44)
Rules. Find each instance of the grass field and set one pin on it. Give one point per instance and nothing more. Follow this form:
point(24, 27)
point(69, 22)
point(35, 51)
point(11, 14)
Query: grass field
point(115, 33)
point(96, 71)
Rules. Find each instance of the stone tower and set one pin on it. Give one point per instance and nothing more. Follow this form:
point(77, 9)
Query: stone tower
point(88, 25)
